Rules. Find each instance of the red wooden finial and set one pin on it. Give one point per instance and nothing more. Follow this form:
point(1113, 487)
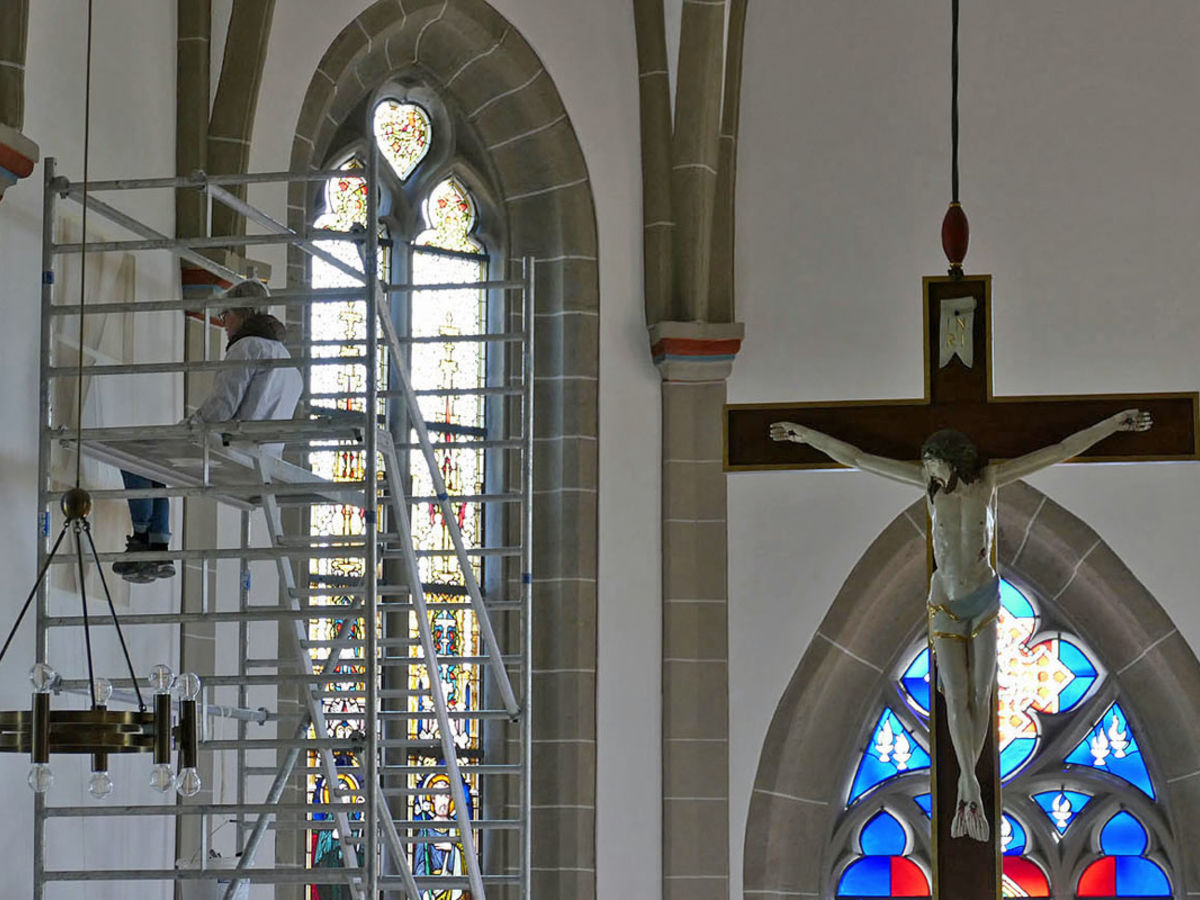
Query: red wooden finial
point(956, 235)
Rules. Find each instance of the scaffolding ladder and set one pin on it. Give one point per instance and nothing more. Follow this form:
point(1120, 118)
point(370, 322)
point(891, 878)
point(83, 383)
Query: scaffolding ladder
point(396, 796)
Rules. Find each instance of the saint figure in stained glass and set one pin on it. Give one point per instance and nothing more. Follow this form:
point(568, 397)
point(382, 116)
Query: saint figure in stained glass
point(440, 853)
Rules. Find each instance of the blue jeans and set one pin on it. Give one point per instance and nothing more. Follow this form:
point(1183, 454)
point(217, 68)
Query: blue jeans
point(151, 516)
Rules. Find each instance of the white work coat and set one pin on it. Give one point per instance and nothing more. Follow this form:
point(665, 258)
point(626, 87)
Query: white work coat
point(249, 392)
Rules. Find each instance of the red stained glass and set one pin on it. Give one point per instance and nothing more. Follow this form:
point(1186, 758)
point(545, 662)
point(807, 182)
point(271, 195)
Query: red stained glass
point(1099, 879)
point(907, 879)
point(1023, 878)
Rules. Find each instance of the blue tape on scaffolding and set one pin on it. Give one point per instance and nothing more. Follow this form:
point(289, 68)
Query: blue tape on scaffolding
point(246, 581)
point(45, 523)
point(48, 277)
point(369, 516)
point(526, 578)
point(443, 496)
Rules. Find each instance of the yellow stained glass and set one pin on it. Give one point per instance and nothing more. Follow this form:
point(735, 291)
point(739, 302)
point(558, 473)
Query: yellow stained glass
point(450, 219)
point(402, 133)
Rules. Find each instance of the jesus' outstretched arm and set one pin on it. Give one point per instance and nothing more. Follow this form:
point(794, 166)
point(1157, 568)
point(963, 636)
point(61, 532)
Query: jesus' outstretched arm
point(848, 454)
point(1068, 448)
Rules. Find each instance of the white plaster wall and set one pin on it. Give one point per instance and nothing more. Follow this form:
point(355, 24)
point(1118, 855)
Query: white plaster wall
point(132, 134)
point(1083, 190)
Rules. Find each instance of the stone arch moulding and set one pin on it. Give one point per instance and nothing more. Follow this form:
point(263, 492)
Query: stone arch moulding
point(821, 715)
point(483, 69)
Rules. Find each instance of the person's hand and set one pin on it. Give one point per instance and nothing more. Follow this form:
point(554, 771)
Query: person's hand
point(788, 431)
point(1133, 420)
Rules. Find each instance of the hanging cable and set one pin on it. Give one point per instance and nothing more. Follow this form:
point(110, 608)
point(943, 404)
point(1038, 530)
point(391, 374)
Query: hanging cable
point(954, 101)
point(87, 530)
point(956, 232)
point(87, 134)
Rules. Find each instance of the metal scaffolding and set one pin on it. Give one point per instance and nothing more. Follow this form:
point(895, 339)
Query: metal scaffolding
point(370, 640)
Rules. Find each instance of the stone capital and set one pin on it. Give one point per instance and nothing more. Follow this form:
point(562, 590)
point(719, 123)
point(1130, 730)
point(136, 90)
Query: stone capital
point(695, 351)
point(18, 155)
point(200, 284)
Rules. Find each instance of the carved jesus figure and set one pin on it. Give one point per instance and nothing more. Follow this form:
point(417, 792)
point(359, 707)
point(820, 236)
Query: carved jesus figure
point(964, 591)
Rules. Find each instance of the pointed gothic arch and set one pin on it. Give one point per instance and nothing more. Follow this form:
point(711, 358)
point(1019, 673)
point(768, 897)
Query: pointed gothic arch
point(516, 134)
point(796, 804)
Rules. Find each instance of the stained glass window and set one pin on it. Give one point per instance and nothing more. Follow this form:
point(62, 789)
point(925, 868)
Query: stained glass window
point(891, 751)
point(883, 870)
point(1012, 836)
point(447, 363)
point(452, 369)
point(1046, 677)
point(1123, 871)
point(1022, 877)
point(450, 219)
point(1052, 693)
point(402, 132)
point(1111, 747)
point(338, 330)
point(1062, 806)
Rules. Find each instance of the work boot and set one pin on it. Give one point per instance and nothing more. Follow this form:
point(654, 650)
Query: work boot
point(162, 568)
point(131, 570)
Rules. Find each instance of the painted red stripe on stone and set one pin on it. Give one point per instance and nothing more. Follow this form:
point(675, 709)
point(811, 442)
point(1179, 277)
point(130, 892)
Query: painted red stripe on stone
point(695, 347)
point(17, 163)
point(196, 276)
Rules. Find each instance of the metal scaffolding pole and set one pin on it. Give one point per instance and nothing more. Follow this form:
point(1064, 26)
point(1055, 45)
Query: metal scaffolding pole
point(226, 464)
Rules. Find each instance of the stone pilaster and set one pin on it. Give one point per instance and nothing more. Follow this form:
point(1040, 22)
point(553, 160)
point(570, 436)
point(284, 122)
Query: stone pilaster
point(14, 34)
point(193, 36)
point(694, 359)
point(232, 121)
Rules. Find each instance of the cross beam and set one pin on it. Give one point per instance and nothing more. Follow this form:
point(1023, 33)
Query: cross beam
point(958, 394)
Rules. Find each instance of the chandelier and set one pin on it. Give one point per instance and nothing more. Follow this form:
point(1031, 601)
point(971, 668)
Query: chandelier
point(42, 731)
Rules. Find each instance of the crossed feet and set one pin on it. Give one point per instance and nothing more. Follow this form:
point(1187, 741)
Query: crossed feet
point(969, 819)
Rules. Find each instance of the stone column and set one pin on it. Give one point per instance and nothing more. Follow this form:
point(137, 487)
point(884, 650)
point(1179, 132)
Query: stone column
point(192, 38)
point(694, 359)
point(234, 105)
point(18, 154)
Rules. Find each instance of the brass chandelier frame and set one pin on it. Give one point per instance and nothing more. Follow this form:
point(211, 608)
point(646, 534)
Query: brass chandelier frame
point(42, 731)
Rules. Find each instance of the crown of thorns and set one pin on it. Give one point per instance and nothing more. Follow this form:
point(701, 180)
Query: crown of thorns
point(955, 448)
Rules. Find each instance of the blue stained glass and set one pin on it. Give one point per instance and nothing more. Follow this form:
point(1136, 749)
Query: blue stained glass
point(925, 801)
point(916, 682)
point(1083, 670)
point(1123, 835)
point(1061, 807)
point(883, 836)
point(1013, 836)
point(1111, 747)
point(1014, 601)
point(1015, 755)
point(867, 877)
point(1138, 877)
point(891, 751)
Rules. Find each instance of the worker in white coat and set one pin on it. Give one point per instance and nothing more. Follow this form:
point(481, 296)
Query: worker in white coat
point(244, 392)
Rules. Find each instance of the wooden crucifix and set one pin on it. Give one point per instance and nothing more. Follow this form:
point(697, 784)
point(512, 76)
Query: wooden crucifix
point(958, 395)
